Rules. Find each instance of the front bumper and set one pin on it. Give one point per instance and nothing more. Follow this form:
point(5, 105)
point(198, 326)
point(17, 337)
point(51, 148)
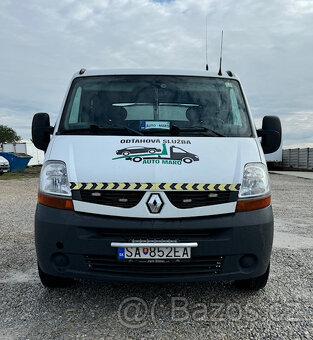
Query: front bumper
point(4, 168)
point(78, 245)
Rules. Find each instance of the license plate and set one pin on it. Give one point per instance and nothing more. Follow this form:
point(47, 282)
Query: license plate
point(143, 253)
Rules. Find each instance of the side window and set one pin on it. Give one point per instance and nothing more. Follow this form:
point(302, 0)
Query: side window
point(235, 108)
point(75, 107)
point(139, 112)
point(178, 150)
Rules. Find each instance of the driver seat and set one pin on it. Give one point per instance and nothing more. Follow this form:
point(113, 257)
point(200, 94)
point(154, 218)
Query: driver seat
point(194, 114)
point(116, 115)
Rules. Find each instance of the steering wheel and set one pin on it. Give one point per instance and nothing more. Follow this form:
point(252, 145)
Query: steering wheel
point(135, 125)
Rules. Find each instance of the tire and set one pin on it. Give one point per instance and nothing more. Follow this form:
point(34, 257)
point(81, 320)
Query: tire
point(152, 151)
point(187, 160)
point(137, 159)
point(50, 281)
point(126, 153)
point(255, 283)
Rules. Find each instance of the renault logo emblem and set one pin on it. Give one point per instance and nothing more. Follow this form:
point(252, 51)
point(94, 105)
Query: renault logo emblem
point(155, 203)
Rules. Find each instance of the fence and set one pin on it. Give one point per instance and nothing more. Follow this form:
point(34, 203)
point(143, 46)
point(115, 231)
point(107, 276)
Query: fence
point(298, 158)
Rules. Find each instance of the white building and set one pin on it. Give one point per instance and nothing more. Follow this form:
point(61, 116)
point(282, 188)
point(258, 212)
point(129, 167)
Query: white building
point(26, 146)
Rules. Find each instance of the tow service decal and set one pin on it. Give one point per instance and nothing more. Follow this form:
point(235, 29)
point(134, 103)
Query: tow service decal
point(172, 155)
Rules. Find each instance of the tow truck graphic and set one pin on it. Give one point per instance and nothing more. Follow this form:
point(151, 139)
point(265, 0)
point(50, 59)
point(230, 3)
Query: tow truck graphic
point(176, 154)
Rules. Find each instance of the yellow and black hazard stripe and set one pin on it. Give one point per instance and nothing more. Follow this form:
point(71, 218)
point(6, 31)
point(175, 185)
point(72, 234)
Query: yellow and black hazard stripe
point(155, 186)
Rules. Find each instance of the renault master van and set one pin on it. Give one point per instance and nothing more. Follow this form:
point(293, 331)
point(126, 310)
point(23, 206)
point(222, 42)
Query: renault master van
point(154, 176)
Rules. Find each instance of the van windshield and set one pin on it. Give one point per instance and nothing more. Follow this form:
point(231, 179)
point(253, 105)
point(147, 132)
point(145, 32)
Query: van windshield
point(160, 105)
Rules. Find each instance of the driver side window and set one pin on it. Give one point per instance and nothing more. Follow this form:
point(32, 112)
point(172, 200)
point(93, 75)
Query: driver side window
point(75, 107)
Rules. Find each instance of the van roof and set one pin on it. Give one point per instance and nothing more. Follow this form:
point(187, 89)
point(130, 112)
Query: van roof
point(195, 73)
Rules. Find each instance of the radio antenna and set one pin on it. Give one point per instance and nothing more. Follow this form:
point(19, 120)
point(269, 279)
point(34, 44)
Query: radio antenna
point(206, 44)
point(221, 55)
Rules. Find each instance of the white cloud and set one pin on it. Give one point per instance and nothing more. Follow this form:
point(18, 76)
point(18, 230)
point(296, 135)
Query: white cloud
point(298, 123)
point(267, 43)
point(300, 7)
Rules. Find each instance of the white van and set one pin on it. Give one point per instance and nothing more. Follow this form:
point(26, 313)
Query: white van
point(154, 176)
point(4, 165)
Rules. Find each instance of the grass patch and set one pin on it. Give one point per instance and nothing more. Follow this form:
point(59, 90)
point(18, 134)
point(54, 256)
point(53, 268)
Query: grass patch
point(31, 172)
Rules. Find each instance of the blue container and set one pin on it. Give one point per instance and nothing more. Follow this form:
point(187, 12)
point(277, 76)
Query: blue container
point(18, 161)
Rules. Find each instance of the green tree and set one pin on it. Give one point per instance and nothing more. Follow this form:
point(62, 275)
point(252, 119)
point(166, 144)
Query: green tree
point(8, 135)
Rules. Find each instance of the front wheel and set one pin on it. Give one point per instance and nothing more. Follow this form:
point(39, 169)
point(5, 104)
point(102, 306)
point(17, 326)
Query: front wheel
point(137, 159)
point(51, 281)
point(187, 160)
point(255, 283)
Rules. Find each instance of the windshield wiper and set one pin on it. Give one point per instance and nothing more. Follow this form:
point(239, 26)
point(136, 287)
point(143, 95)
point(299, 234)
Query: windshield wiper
point(124, 128)
point(197, 129)
point(95, 129)
point(175, 131)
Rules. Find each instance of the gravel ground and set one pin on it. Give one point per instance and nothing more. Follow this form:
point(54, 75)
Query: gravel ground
point(97, 310)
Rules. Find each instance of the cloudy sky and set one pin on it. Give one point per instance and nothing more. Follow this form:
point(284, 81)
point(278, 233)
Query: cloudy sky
point(268, 44)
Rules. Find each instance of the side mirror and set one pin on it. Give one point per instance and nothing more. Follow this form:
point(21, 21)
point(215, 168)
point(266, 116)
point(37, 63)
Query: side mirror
point(271, 134)
point(41, 130)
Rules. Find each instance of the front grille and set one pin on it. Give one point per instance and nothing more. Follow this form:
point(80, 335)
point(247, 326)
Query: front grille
point(180, 199)
point(188, 199)
point(195, 266)
point(115, 198)
point(4, 167)
point(181, 235)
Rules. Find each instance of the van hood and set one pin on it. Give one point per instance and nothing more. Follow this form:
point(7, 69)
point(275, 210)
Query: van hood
point(145, 159)
point(3, 161)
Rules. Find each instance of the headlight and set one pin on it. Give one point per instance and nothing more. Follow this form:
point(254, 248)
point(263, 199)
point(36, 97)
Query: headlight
point(255, 181)
point(53, 179)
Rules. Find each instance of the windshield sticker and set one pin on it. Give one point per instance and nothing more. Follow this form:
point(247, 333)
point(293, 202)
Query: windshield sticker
point(146, 125)
point(228, 84)
point(172, 155)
